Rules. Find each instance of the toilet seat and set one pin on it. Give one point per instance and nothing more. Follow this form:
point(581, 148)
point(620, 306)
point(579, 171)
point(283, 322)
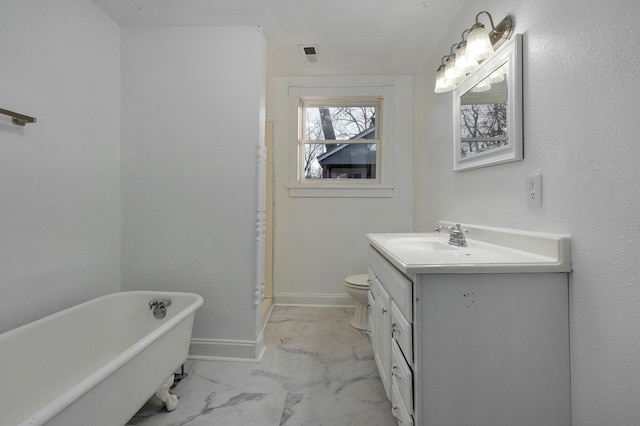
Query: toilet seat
point(358, 281)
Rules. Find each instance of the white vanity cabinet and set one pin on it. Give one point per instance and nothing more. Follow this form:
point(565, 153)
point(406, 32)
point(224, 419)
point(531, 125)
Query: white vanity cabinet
point(380, 320)
point(392, 338)
point(482, 344)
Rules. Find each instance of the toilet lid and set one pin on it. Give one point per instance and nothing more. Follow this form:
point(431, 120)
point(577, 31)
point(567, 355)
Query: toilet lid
point(360, 280)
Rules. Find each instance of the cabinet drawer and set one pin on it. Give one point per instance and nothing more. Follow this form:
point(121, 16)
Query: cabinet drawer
point(402, 332)
point(400, 287)
point(402, 376)
point(398, 407)
point(379, 292)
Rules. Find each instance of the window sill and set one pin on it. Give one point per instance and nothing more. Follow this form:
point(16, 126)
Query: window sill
point(340, 191)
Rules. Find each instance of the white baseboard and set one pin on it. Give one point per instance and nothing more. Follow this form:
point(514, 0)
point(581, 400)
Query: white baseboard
point(312, 299)
point(227, 350)
point(252, 351)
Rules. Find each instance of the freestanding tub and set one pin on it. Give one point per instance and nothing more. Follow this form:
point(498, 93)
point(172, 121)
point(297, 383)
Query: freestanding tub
point(95, 363)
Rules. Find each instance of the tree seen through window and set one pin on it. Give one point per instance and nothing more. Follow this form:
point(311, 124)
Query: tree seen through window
point(326, 156)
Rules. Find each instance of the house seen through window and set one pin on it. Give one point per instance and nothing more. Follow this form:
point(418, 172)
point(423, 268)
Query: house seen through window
point(339, 139)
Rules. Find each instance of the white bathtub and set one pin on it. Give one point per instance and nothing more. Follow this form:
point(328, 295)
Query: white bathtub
point(93, 364)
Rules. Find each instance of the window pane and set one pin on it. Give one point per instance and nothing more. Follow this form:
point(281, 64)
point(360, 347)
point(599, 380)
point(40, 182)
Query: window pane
point(340, 161)
point(340, 122)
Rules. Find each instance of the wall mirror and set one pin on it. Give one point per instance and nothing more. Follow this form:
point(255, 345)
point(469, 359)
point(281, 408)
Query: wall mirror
point(487, 111)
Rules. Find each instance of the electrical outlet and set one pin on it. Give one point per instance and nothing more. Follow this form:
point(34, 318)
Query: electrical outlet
point(534, 190)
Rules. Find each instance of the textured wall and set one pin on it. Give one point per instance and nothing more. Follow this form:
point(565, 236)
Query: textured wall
point(581, 103)
point(319, 241)
point(192, 118)
point(59, 177)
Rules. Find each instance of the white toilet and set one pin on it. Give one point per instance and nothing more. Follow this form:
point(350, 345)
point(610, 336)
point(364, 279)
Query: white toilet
point(357, 287)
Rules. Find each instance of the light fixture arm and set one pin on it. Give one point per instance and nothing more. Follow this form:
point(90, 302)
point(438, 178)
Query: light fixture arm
point(445, 59)
point(462, 39)
point(499, 33)
point(478, 22)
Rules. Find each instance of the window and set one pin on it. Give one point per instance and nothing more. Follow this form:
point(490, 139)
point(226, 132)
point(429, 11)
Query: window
point(340, 141)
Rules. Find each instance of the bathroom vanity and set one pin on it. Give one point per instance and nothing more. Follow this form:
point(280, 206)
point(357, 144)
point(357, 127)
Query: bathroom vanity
point(475, 335)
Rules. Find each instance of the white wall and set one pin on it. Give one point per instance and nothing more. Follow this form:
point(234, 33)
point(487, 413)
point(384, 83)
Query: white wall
point(581, 105)
point(319, 241)
point(59, 177)
point(192, 119)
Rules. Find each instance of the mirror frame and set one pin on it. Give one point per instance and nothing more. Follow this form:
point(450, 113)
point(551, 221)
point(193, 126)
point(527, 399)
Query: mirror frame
point(510, 54)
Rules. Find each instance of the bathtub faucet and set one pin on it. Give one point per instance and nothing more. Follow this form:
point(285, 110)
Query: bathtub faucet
point(159, 307)
point(456, 235)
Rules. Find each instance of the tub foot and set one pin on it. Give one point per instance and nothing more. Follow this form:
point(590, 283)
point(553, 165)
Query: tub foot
point(171, 401)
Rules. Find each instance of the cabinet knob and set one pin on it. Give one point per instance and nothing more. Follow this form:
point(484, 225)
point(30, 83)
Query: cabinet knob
point(384, 310)
point(394, 372)
point(395, 330)
point(393, 411)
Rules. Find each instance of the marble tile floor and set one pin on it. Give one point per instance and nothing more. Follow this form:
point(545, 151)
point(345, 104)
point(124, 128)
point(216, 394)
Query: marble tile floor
point(317, 371)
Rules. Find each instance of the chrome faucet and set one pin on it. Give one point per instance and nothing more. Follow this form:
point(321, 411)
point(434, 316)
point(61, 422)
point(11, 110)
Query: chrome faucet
point(159, 307)
point(456, 235)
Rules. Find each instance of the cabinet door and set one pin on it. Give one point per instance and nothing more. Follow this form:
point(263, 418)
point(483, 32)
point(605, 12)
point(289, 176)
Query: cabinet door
point(493, 349)
point(381, 312)
point(371, 311)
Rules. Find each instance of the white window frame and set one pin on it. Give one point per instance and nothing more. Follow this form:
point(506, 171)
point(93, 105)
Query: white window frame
point(381, 186)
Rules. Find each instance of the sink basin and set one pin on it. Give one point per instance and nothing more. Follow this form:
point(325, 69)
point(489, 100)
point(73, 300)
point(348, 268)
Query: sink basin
point(489, 250)
point(419, 243)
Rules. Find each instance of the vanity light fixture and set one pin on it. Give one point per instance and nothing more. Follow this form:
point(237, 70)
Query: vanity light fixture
point(443, 84)
point(467, 54)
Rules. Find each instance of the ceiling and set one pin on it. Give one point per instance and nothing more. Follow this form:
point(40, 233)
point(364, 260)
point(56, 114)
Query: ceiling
point(354, 37)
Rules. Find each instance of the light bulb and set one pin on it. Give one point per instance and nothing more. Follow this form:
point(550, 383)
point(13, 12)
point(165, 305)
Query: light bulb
point(471, 62)
point(479, 45)
point(443, 84)
point(451, 72)
point(449, 85)
point(464, 64)
point(440, 83)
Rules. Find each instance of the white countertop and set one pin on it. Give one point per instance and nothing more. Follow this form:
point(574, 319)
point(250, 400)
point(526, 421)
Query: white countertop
point(489, 250)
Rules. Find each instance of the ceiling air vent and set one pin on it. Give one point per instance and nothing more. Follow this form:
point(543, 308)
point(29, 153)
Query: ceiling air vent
point(310, 52)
